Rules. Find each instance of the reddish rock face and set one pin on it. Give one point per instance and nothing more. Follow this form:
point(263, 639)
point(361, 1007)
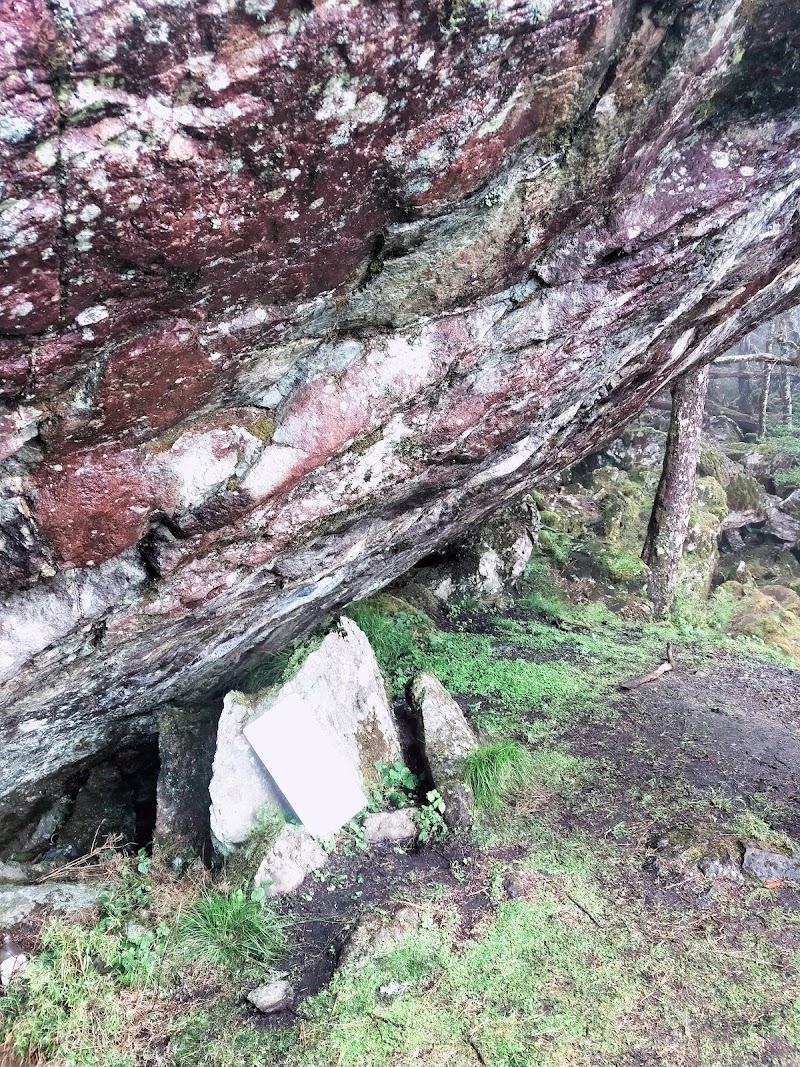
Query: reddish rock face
point(292, 292)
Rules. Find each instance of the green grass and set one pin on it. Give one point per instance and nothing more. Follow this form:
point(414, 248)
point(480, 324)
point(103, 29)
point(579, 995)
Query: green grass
point(232, 930)
point(789, 479)
point(397, 634)
point(530, 990)
point(497, 772)
point(65, 1004)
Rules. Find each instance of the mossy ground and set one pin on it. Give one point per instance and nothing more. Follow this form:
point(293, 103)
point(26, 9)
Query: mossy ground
point(599, 961)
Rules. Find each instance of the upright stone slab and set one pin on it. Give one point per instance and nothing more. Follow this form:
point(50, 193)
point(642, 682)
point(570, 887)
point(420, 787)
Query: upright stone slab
point(342, 685)
point(186, 739)
point(448, 740)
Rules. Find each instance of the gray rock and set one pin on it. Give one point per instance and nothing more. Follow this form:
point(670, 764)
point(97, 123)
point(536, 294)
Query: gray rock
point(12, 961)
point(791, 505)
point(240, 785)
point(341, 681)
point(490, 560)
point(764, 865)
point(64, 897)
point(459, 804)
point(391, 827)
point(105, 805)
point(48, 825)
point(274, 996)
point(448, 741)
point(727, 869)
point(291, 859)
point(13, 872)
point(448, 736)
point(186, 740)
point(376, 934)
point(780, 524)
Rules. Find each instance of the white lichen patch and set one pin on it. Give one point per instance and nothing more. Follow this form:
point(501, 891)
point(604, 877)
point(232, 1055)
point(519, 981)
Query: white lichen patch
point(493, 124)
point(339, 97)
point(92, 315)
point(202, 464)
point(14, 128)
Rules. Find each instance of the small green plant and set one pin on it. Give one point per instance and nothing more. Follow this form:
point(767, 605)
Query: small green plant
point(496, 772)
point(788, 480)
point(752, 826)
point(245, 860)
point(430, 818)
point(398, 786)
point(278, 668)
point(130, 894)
point(231, 929)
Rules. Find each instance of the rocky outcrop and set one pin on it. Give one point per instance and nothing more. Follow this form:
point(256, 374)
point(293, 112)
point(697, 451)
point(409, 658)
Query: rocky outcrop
point(340, 689)
point(294, 293)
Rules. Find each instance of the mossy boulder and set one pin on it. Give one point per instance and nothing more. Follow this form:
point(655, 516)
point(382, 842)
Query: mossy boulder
point(772, 614)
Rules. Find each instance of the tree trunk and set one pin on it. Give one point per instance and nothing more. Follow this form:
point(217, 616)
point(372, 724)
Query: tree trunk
point(745, 395)
point(764, 404)
point(786, 398)
point(669, 520)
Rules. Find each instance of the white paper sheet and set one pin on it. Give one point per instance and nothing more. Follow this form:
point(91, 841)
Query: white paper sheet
point(313, 774)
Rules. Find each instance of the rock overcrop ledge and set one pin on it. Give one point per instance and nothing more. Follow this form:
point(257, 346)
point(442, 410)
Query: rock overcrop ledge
point(294, 293)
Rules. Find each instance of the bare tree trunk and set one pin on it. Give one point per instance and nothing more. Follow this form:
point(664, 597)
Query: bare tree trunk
point(669, 520)
point(764, 404)
point(745, 395)
point(786, 398)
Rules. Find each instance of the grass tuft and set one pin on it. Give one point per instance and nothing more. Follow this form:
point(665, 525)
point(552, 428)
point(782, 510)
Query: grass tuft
point(231, 929)
point(497, 772)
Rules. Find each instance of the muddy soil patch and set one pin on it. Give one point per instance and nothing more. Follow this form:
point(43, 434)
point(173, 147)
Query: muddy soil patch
point(322, 916)
point(716, 723)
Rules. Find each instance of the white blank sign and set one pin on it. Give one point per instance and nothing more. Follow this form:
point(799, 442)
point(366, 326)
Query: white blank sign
point(313, 773)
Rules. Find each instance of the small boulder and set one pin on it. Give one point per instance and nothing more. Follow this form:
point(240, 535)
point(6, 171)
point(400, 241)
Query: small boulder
point(391, 827)
point(376, 934)
point(291, 859)
point(448, 741)
point(764, 866)
point(13, 872)
point(272, 997)
point(449, 738)
point(17, 901)
point(186, 754)
point(240, 786)
point(687, 851)
point(341, 686)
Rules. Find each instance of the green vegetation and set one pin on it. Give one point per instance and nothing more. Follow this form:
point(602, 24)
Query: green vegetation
point(277, 669)
point(66, 1004)
point(787, 480)
point(230, 929)
point(497, 772)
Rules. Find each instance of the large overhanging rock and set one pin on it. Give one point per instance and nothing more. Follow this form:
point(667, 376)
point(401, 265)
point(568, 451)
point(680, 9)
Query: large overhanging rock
point(294, 292)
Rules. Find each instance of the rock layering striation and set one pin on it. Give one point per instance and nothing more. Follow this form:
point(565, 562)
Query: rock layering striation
point(292, 293)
